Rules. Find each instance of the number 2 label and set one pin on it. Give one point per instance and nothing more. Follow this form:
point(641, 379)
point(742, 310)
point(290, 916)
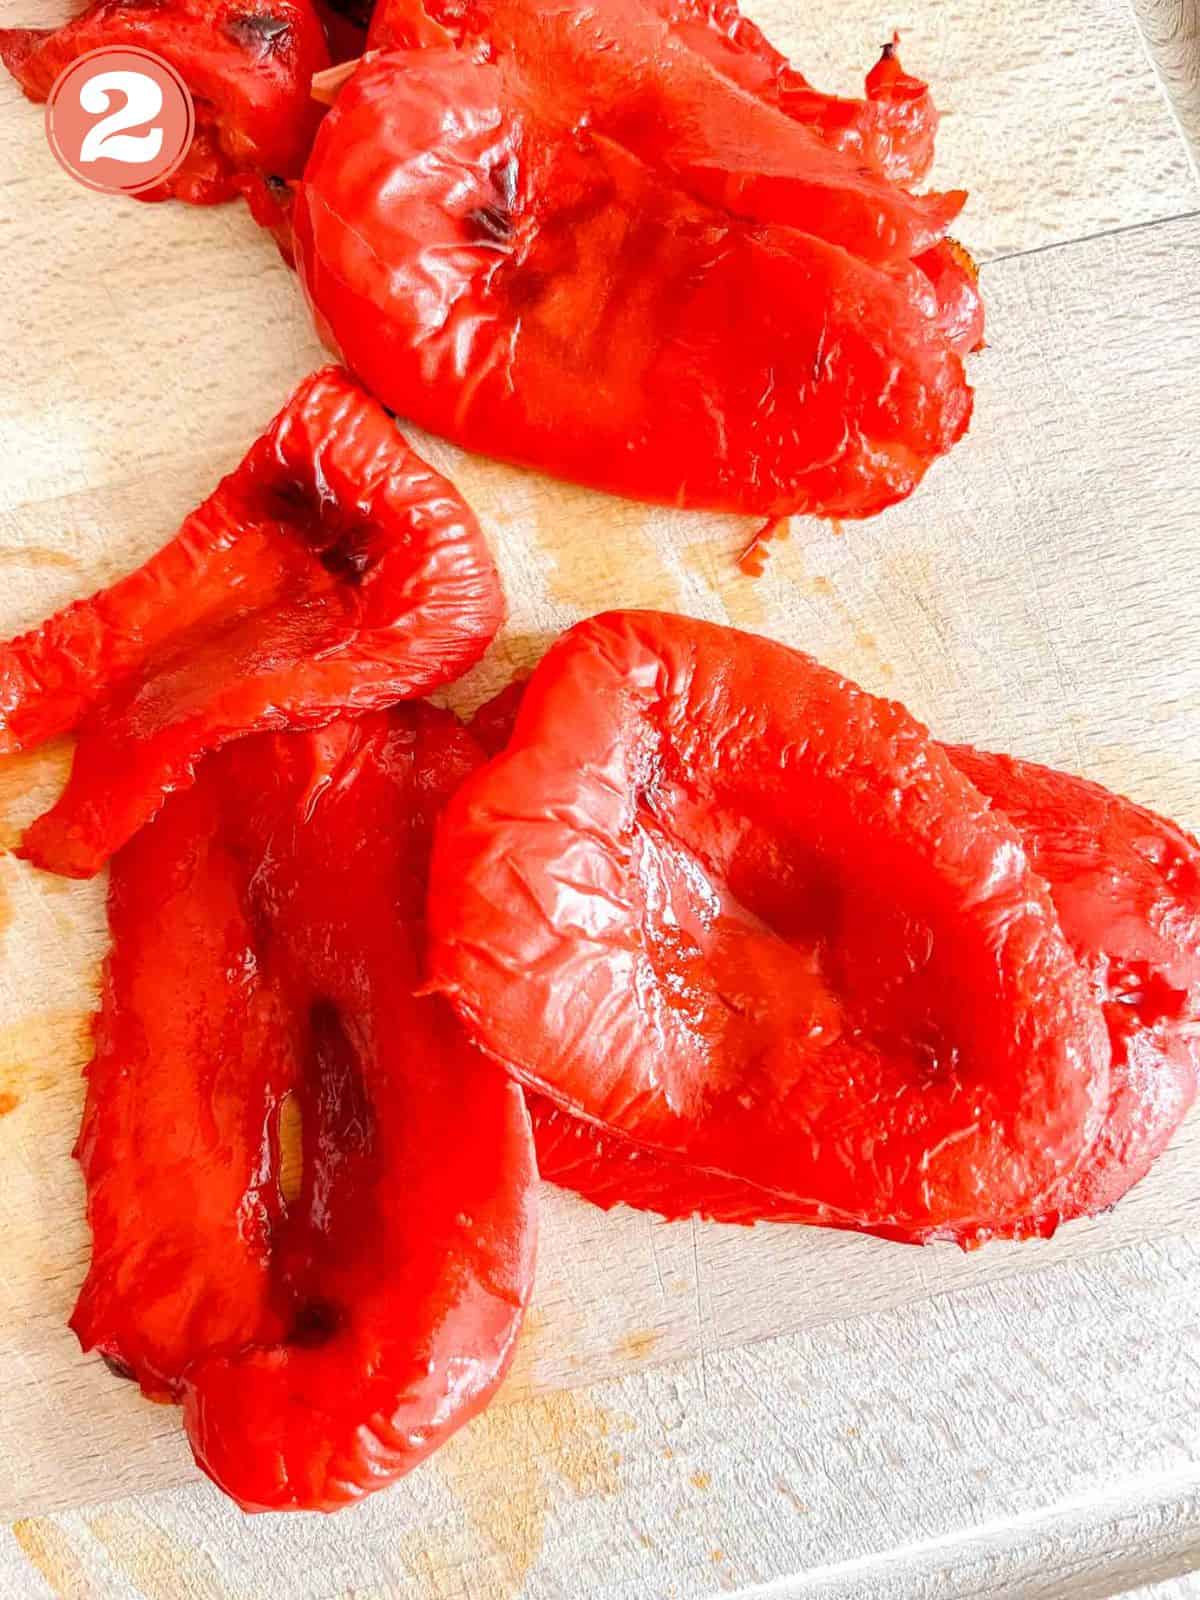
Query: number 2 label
point(120, 120)
point(106, 140)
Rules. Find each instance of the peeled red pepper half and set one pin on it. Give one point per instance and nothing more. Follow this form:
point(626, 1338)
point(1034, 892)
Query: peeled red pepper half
point(332, 571)
point(784, 956)
point(1126, 886)
point(249, 66)
point(627, 267)
point(267, 943)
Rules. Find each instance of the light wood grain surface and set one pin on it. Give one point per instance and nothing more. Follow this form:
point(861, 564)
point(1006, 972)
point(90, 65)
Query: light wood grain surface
point(1172, 32)
point(696, 1410)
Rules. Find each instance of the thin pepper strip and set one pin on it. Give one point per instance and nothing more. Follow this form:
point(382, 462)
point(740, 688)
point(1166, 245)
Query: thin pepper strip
point(681, 853)
point(321, 1342)
point(332, 571)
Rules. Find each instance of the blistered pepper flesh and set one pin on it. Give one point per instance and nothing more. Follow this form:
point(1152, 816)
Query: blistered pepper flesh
point(248, 64)
point(763, 925)
point(569, 284)
point(1126, 887)
point(332, 571)
point(623, 69)
point(267, 941)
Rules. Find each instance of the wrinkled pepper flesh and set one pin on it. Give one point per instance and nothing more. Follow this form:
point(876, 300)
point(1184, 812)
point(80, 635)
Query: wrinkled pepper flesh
point(648, 256)
point(333, 571)
point(784, 956)
point(267, 943)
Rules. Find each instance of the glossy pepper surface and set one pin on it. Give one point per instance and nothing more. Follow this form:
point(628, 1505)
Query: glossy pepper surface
point(764, 926)
point(267, 942)
point(624, 70)
point(1126, 887)
point(592, 56)
point(332, 571)
point(626, 268)
point(248, 64)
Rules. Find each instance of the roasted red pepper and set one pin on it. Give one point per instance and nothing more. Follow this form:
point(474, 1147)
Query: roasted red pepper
point(570, 283)
point(891, 130)
point(1126, 889)
point(332, 571)
point(248, 63)
point(1126, 886)
point(267, 942)
point(764, 926)
point(955, 279)
point(622, 69)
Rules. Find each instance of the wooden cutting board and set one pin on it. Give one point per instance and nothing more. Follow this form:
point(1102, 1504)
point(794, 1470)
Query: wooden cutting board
point(1038, 595)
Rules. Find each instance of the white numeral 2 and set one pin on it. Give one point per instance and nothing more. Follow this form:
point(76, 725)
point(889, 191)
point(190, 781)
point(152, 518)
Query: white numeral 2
point(143, 100)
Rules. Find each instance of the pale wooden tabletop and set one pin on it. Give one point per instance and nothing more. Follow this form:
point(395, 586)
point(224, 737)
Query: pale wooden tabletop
point(696, 1410)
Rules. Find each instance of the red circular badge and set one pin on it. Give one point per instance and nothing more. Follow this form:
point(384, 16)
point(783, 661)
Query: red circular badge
point(120, 120)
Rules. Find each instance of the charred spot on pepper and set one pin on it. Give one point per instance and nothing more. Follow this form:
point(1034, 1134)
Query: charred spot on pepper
point(117, 1367)
point(525, 286)
point(315, 1323)
point(341, 545)
point(494, 224)
point(288, 500)
point(349, 557)
point(259, 31)
point(336, 1096)
point(494, 221)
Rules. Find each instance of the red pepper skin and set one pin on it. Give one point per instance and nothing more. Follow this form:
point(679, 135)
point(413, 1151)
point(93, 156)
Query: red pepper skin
point(1126, 885)
point(906, 118)
point(1126, 888)
point(681, 852)
point(890, 133)
point(622, 69)
point(545, 296)
point(955, 279)
point(892, 130)
point(603, 1167)
point(248, 65)
point(609, 1170)
point(332, 571)
point(323, 1346)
